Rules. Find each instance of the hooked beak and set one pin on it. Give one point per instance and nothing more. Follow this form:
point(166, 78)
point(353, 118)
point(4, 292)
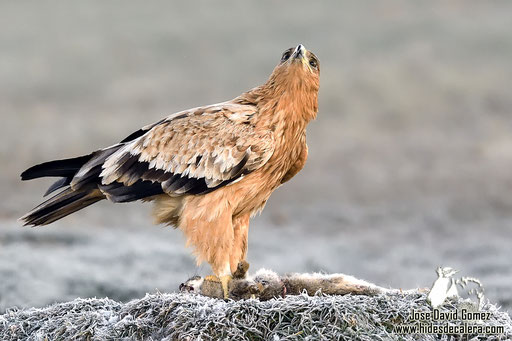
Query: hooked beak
point(300, 54)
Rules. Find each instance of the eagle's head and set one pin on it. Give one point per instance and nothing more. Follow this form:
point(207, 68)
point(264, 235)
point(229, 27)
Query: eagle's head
point(292, 88)
point(298, 68)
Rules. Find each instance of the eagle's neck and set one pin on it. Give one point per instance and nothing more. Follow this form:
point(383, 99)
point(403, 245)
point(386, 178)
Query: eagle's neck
point(294, 104)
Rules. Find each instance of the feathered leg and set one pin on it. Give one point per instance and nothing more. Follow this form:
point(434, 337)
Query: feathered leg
point(207, 224)
point(239, 250)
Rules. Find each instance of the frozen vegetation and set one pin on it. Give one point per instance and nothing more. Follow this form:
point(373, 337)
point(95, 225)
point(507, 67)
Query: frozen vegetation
point(194, 317)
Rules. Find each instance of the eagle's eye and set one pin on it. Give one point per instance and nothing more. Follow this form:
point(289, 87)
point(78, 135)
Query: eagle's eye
point(286, 55)
point(313, 63)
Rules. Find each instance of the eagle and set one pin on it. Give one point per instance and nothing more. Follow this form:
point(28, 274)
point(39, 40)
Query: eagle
point(207, 170)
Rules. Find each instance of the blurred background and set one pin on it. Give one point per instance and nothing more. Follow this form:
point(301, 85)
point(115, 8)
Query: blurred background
point(410, 156)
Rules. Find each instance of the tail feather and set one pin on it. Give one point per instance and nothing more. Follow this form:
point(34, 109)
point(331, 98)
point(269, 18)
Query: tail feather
point(65, 168)
point(61, 205)
point(62, 182)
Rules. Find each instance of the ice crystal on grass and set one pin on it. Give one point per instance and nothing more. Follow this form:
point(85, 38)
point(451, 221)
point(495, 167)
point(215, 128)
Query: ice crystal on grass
point(193, 317)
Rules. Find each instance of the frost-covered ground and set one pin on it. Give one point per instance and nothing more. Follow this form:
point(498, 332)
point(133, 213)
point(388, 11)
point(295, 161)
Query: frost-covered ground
point(189, 317)
point(410, 156)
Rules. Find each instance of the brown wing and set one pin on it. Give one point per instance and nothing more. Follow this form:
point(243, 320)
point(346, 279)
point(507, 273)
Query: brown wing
point(192, 152)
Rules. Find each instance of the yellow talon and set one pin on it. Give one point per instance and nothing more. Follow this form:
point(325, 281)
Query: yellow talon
point(212, 278)
point(224, 280)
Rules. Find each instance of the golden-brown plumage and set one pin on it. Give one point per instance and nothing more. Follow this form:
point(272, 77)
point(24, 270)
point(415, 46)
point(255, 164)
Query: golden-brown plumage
point(207, 169)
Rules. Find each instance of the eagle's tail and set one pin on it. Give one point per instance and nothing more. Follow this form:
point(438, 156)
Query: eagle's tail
point(60, 205)
point(82, 186)
point(66, 168)
point(68, 200)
